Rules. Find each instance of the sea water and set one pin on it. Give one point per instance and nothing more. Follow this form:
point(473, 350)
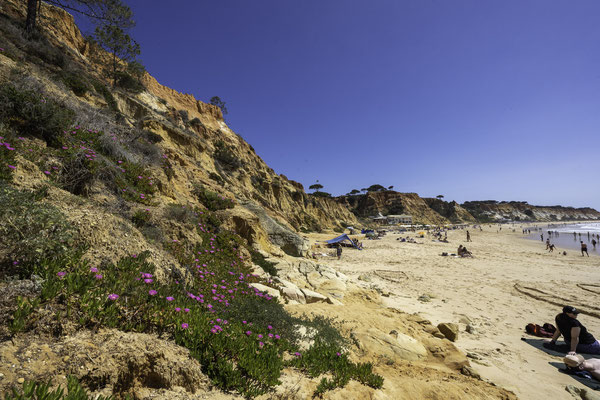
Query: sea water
point(568, 236)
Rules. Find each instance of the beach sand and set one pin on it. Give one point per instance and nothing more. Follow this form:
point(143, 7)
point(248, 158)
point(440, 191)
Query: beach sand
point(510, 282)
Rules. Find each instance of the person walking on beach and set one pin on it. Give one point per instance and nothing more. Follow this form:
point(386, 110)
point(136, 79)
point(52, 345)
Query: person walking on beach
point(547, 243)
point(468, 236)
point(576, 335)
point(542, 237)
point(583, 248)
point(594, 243)
point(338, 251)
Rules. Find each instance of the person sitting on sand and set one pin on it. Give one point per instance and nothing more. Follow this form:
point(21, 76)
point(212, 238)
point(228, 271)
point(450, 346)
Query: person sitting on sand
point(578, 362)
point(463, 252)
point(574, 333)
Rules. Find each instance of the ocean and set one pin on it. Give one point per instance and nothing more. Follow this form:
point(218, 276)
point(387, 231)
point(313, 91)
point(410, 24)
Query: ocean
point(568, 236)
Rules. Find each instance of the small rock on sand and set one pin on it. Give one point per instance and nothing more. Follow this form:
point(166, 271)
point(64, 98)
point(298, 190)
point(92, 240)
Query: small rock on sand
point(471, 329)
point(424, 298)
point(449, 330)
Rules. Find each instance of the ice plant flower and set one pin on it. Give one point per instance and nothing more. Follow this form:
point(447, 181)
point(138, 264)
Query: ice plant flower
point(184, 326)
point(169, 298)
point(152, 292)
point(12, 167)
point(93, 269)
point(177, 309)
point(61, 274)
point(113, 296)
point(98, 276)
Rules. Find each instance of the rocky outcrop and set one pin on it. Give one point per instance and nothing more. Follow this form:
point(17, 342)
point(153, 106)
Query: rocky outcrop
point(450, 210)
point(495, 211)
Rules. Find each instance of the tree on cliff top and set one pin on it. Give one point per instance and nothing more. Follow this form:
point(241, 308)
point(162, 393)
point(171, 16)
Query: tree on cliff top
point(316, 187)
point(120, 45)
point(440, 196)
point(375, 188)
point(216, 101)
point(112, 12)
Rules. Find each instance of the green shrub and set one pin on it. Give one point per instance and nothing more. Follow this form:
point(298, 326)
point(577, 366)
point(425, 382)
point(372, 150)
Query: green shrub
point(224, 154)
point(76, 83)
point(31, 232)
point(42, 49)
point(100, 88)
point(129, 83)
point(141, 218)
point(211, 200)
point(41, 391)
point(31, 113)
point(320, 194)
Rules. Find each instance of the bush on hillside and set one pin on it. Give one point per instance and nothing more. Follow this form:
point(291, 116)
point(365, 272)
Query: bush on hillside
point(101, 88)
point(211, 200)
point(225, 155)
point(31, 232)
point(76, 83)
point(32, 113)
point(128, 82)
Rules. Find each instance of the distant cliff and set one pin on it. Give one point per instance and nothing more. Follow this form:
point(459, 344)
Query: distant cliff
point(491, 210)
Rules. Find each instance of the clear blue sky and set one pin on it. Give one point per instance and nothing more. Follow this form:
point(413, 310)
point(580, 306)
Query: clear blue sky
point(474, 100)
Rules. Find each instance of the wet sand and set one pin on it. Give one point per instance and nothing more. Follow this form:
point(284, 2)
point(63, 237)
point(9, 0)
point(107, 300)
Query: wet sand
point(509, 283)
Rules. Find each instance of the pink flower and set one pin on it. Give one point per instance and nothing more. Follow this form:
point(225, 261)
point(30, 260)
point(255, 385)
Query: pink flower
point(248, 333)
point(148, 280)
point(113, 296)
point(297, 354)
point(61, 274)
point(169, 298)
point(261, 344)
point(184, 326)
point(93, 269)
point(269, 327)
point(152, 292)
point(186, 310)
point(12, 167)
point(98, 276)
point(177, 309)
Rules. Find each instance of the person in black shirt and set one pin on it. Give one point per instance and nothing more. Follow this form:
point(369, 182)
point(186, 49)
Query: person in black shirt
point(574, 333)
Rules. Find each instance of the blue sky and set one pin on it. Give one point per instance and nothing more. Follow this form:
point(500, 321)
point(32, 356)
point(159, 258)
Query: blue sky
point(472, 99)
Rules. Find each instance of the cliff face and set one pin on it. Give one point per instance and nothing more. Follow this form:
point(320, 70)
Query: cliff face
point(450, 210)
point(521, 211)
point(390, 202)
point(192, 135)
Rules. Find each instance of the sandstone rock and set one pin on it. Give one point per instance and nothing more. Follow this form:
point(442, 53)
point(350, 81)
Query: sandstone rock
point(289, 241)
point(293, 294)
point(397, 345)
point(424, 298)
point(468, 371)
point(364, 277)
point(313, 297)
point(449, 330)
point(332, 285)
point(334, 301)
point(583, 393)
point(471, 329)
point(269, 290)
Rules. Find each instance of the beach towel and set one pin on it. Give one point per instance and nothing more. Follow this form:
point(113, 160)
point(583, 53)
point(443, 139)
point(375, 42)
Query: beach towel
point(541, 331)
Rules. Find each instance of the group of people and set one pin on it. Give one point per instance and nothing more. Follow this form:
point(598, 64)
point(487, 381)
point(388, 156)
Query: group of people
point(578, 340)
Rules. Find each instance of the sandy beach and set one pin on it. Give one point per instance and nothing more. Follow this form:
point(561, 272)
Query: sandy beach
point(509, 283)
